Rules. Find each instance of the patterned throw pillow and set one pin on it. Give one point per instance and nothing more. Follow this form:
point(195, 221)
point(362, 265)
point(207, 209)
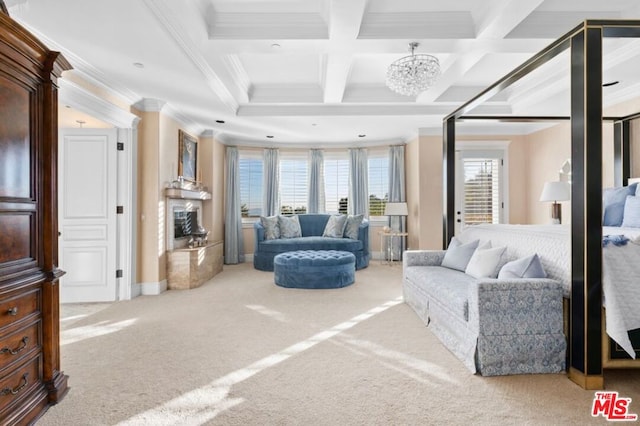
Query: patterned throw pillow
point(613, 201)
point(353, 226)
point(335, 226)
point(289, 227)
point(271, 227)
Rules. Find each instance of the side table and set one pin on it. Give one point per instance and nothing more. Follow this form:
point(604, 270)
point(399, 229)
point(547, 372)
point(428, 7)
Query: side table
point(388, 237)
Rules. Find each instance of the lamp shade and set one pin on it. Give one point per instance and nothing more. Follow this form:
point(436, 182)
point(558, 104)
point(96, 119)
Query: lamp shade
point(556, 191)
point(396, 209)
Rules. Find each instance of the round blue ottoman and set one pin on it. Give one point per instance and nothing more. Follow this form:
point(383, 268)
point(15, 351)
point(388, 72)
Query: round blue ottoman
point(314, 269)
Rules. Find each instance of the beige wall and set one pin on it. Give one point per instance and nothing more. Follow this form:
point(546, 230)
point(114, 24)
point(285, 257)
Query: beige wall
point(148, 219)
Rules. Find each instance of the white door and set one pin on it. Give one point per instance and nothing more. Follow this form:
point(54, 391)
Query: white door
point(480, 177)
point(87, 187)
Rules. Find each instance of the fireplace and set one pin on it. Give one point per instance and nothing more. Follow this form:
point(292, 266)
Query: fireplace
point(184, 217)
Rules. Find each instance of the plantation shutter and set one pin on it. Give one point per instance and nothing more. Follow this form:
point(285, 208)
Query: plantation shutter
point(250, 171)
point(336, 181)
point(482, 202)
point(294, 183)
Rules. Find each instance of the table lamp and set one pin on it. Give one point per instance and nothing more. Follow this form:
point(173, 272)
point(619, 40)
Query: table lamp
point(396, 209)
point(556, 191)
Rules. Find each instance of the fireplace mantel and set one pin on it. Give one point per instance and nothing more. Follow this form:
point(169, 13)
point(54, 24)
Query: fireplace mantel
point(187, 194)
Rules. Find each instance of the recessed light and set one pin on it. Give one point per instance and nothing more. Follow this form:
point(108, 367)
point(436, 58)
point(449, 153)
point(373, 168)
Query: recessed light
point(275, 46)
point(361, 136)
point(68, 106)
point(314, 124)
point(270, 136)
point(220, 121)
point(138, 64)
point(610, 83)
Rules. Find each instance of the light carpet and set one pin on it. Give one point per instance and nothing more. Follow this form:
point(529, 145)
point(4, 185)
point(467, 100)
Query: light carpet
point(242, 351)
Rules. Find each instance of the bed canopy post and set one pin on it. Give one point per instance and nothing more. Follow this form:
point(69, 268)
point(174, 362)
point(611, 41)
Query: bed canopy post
point(449, 173)
point(621, 157)
point(585, 322)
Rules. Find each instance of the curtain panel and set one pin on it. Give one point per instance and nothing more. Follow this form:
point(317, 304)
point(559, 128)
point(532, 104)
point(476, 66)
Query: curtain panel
point(358, 182)
point(233, 242)
point(271, 184)
point(316, 202)
point(397, 194)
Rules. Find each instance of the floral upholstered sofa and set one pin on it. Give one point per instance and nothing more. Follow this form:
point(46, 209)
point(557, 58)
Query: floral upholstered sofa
point(495, 322)
point(315, 232)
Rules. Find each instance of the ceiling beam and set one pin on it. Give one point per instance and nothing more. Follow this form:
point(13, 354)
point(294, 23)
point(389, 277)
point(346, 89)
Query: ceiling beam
point(499, 18)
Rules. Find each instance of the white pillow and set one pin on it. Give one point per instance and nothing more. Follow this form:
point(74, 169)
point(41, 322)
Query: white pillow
point(526, 267)
point(484, 262)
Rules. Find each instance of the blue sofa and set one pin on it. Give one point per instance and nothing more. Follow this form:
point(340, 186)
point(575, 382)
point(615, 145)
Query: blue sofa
point(312, 226)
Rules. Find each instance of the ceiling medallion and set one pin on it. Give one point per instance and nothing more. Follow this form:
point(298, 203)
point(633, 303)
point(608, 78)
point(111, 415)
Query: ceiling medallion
point(413, 74)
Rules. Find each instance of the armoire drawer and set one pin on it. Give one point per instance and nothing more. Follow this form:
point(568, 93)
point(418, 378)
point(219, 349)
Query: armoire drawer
point(19, 343)
point(18, 307)
point(19, 381)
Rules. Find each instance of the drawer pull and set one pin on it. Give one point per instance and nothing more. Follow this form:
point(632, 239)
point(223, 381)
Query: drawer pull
point(13, 311)
point(14, 391)
point(17, 350)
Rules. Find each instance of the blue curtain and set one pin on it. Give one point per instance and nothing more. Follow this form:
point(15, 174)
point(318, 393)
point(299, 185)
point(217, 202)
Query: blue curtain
point(270, 182)
point(397, 193)
point(358, 182)
point(233, 243)
point(316, 182)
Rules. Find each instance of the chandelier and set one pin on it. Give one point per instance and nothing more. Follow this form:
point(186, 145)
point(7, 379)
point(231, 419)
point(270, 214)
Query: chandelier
point(413, 74)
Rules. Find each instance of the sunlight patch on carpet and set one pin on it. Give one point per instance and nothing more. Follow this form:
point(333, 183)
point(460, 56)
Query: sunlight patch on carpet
point(200, 405)
point(78, 334)
point(278, 316)
point(417, 369)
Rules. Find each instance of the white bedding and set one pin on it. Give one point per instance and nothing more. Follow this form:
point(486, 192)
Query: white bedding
point(621, 266)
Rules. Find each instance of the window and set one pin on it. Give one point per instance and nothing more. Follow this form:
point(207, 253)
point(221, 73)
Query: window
point(250, 163)
point(378, 181)
point(294, 183)
point(336, 182)
point(482, 196)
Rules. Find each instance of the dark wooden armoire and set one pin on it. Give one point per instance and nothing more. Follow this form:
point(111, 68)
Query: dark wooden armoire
point(30, 376)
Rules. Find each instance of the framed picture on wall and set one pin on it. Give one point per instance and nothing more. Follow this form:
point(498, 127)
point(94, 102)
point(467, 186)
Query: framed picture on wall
point(187, 156)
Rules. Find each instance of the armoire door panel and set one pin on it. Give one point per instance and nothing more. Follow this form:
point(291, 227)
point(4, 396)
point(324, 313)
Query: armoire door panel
point(15, 153)
point(15, 237)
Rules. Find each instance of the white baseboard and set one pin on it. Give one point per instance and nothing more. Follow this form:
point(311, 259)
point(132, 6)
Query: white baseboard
point(153, 289)
point(136, 290)
point(248, 258)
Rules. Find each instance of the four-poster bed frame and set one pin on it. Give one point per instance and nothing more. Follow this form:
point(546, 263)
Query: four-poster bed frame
point(585, 44)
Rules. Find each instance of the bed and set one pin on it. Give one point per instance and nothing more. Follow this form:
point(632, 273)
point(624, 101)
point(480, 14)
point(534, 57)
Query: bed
point(621, 267)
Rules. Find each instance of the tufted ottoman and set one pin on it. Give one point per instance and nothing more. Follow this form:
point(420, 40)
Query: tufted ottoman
point(314, 269)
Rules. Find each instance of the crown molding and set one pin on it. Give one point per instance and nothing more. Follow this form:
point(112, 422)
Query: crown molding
point(238, 73)
point(149, 105)
point(248, 143)
point(77, 97)
point(164, 16)
point(187, 123)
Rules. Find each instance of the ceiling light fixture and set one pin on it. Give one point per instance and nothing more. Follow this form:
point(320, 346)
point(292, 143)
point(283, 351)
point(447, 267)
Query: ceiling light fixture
point(611, 83)
point(270, 136)
point(220, 121)
point(413, 74)
point(361, 136)
point(138, 64)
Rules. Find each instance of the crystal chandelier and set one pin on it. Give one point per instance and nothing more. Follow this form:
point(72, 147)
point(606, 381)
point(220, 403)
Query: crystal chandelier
point(413, 74)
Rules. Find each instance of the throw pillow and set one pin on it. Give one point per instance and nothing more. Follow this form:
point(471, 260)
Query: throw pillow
point(458, 254)
point(271, 227)
point(631, 216)
point(353, 226)
point(613, 201)
point(484, 262)
point(289, 227)
point(335, 226)
point(526, 267)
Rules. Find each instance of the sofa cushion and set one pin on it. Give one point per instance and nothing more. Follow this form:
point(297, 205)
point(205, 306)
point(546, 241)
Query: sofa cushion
point(631, 217)
point(526, 267)
point(271, 227)
point(458, 255)
point(335, 226)
point(353, 226)
point(313, 224)
point(309, 243)
point(289, 227)
point(449, 287)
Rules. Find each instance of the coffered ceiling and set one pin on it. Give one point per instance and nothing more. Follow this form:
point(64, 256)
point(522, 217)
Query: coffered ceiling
point(312, 72)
